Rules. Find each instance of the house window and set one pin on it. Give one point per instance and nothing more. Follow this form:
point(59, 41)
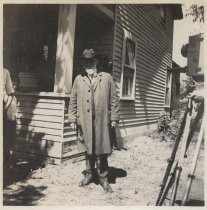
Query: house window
point(128, 74)
point(163, 13)
point(168, 89)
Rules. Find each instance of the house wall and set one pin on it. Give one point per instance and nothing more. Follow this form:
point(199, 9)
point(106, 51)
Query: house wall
point(154, 54)
point(40, 124)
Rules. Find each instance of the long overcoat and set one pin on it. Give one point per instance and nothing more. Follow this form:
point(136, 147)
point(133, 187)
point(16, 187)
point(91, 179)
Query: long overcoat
point(106, 106)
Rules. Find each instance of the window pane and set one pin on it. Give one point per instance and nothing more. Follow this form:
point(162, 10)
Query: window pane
point(130, 53)
point(127, 82)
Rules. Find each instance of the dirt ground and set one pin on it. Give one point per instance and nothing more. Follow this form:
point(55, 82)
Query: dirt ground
point(135, 176)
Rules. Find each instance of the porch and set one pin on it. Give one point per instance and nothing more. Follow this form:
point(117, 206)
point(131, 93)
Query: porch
point(43, 46)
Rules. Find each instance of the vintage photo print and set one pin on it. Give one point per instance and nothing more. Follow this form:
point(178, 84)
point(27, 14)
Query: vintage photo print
point(103, 104)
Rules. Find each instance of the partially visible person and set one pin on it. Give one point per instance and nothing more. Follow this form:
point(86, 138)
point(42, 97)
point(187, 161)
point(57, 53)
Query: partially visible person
point(9, 114)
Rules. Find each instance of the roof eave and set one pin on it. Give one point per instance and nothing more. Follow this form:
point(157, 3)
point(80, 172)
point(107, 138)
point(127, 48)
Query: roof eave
point(177, 11)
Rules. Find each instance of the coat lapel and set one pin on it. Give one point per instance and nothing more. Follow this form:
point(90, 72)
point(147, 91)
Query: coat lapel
point(86, 79)
point(98, 79)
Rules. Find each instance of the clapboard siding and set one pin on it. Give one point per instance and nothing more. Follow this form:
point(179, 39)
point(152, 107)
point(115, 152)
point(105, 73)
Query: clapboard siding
point(41, 147)
point(40, 109)
point(33, 135)
point(69, 138)
point(154, 54)
point(43, 112)
point(39, 124)
point(42, 127)
point(43, 118)
point(146, 25)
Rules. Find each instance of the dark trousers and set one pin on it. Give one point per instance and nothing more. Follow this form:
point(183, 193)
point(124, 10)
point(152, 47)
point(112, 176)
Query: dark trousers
point(9, 129)
point(101, 162)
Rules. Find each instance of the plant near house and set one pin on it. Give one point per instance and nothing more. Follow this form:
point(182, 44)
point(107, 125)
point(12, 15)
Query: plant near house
point(163, 121)
point(168, 127)
point(163, 124)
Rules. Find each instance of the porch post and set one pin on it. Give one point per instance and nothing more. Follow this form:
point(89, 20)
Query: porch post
point(65, 48)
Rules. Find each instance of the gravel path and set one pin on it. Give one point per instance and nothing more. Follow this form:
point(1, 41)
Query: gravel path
point(135, 175)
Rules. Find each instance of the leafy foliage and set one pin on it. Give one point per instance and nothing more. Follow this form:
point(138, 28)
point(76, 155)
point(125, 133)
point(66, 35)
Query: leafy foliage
point(168, 126)
point(163, 121)
point(197, 12)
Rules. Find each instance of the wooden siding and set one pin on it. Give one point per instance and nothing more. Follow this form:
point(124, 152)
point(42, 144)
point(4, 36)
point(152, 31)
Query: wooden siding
point(39, 127)
point(69, 137)
point(154, 54)
point(42, 127)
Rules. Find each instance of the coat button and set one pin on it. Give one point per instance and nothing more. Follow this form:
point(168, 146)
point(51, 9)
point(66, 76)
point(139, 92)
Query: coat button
point(87, 100)
point(89, 91)
point(88, 110)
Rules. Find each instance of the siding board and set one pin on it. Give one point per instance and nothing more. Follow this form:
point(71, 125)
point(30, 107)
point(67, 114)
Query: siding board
point(34, 136)
point(40, 130)
point(37, 123)
point(154, 54)
point(57, 119)
point(42, 147)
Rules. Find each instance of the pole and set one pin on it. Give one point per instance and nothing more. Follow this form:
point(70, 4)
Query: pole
point(182, 152)
point(194, 163)
point(172, 158)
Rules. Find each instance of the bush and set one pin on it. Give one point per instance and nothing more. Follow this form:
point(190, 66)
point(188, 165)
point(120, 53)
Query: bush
point(163, 122)
point(168, 127)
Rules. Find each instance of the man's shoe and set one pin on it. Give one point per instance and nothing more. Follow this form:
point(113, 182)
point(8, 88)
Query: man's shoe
point(87, 180)
point(105, 184)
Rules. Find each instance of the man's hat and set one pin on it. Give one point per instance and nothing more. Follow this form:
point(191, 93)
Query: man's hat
point(88, 54)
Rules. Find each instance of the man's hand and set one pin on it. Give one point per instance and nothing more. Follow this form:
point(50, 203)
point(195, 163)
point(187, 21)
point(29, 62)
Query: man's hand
point(73, 126)
point(114, 123)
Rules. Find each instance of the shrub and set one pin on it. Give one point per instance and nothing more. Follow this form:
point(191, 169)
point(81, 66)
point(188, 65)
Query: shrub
point(168, 127)
point(163, 121)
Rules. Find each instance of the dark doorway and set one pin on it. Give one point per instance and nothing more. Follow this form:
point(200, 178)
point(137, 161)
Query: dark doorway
point(93, 30)
point(30, 39)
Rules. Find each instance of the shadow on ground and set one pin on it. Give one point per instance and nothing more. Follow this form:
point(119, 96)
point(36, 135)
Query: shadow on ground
point(113, 174)
point(16, 170)
point(192, 202)
point(24, 196)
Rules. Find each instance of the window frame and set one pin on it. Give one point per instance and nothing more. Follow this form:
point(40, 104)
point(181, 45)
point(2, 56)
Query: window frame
point(128, 35)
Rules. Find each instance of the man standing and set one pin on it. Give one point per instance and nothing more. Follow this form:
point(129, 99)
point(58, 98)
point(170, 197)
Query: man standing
point(93, 110)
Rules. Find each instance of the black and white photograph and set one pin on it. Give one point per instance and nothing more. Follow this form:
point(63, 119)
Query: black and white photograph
point(103, 104)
